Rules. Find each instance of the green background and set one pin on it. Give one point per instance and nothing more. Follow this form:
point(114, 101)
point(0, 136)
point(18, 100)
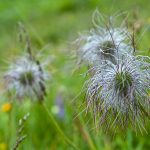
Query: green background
point(52, 26)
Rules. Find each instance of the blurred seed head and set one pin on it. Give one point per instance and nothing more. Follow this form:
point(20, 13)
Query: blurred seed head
point(27, 78)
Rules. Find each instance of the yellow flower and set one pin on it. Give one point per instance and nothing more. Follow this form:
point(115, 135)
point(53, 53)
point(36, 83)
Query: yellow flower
point(3, 146)
point(6, 107)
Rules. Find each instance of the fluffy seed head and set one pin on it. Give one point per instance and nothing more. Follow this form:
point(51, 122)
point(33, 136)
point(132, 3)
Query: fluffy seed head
point(104, 42)
point(121, 89)
point(27, 78)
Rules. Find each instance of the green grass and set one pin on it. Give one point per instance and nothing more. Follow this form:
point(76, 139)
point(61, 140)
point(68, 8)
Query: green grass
point(53, 25)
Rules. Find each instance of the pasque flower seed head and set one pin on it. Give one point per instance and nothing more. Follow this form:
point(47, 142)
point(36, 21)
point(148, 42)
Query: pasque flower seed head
point(104, 42)
point(121, 88)
point(26, 78)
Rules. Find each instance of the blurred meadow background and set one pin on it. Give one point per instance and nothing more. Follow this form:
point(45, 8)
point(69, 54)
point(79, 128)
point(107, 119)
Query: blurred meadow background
point(52, 26)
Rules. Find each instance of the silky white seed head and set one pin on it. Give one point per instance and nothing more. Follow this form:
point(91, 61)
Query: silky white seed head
point(121, 88)
point(103, 42)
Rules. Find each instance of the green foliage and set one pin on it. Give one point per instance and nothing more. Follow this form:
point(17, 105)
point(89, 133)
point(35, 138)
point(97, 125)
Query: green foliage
point(53, 24)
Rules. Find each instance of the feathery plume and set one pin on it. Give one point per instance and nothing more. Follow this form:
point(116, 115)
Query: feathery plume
point(27, 78)
point(104, 42)
point(27, 75)
point(121, 90)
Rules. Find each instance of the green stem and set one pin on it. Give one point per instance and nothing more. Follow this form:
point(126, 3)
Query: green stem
point(89, 140)
point(86, 134)
point(10, 127)
point(52, 119)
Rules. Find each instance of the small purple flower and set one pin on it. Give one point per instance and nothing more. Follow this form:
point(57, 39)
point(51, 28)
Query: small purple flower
point(59, 104)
